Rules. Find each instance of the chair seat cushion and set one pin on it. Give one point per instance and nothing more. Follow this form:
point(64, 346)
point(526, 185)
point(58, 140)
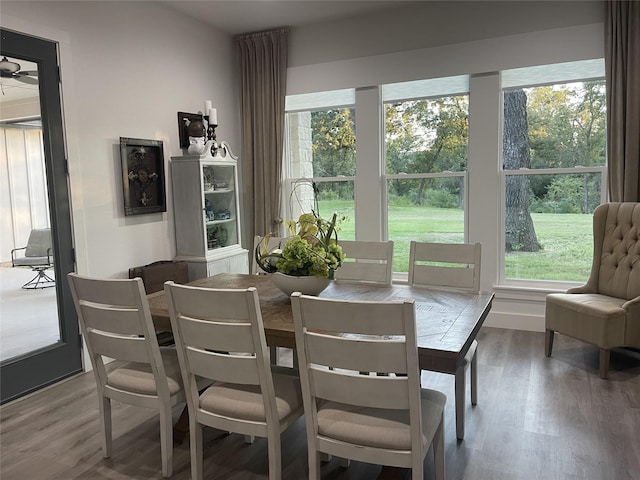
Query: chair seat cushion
point(379, 428)
point(32, 261)
point(591, 317)
point(246, 402)
point(138, 377)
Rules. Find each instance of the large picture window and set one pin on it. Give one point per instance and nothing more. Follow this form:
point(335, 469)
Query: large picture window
point(553, 169)
point(530, 202)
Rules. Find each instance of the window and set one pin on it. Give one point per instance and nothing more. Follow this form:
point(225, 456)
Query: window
point(321, 151)
point(426, 156)
point(553, 169)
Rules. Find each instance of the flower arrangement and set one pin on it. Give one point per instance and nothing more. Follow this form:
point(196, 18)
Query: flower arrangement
point(312, 249)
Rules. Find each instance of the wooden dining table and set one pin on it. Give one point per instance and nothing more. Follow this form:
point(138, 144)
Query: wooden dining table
point(447, 322)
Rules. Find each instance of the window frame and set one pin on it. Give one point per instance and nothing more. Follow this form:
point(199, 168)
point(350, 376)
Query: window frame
point(502, 279)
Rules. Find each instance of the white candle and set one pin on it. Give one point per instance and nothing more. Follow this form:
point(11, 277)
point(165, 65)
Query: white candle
point(207, 106)
point(213, 116)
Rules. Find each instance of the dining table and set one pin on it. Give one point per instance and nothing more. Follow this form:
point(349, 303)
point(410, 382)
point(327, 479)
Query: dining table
point(447, 321)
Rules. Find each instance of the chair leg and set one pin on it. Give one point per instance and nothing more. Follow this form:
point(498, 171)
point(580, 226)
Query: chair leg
point(275, 457)
point(105, 415)
point(605, 356)
point(195, 439)
point(314, 465)
point(548, 342)
point(438, 451)
point(166, 441)
point(459, 400)
point(41, 280)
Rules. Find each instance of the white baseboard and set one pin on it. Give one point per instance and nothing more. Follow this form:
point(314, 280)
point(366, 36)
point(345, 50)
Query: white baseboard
point(532, 323)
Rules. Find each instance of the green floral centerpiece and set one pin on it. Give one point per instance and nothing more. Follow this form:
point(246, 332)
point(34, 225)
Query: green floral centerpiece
point(312, 249)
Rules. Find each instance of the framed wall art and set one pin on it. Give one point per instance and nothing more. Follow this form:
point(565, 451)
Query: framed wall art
point(143, 182)
point(184, 120)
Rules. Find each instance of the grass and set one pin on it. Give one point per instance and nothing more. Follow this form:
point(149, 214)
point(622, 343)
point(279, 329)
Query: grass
point(566, 239)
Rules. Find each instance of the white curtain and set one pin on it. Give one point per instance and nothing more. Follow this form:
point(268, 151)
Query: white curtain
point(24, 202)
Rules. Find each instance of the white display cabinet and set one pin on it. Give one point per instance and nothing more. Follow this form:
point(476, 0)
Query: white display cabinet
point(207, 212)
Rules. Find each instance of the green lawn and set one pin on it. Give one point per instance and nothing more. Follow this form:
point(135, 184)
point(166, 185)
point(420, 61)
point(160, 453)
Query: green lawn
point(566, 239)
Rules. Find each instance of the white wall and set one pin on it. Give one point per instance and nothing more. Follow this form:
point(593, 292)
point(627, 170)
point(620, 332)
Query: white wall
point(127, 69)
point(426, 24)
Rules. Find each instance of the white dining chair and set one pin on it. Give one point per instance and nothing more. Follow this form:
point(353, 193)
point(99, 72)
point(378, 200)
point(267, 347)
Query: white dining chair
point(220, 336)
point(370, 262)
point(116, 324)
point(384, 420)
point(451, 266)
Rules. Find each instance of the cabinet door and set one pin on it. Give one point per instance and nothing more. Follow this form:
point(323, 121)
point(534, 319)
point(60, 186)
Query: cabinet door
point(220, 205)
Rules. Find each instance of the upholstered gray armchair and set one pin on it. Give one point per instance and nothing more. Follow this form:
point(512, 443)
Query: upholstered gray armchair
point(606, 311)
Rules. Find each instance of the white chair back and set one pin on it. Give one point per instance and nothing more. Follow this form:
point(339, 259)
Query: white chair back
point(447, 265)
point(370, 262)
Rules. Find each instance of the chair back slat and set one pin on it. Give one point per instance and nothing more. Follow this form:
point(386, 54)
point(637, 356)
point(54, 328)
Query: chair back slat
point(454, 277)
point(128, 349)
point(212, 307)
point(446, 265)
point(362, 390)
point(212, 335)
point(223, 366)
point(380, 354)
point(354, 317)
point(117, 320)
point(370, 262)
point(116, 292)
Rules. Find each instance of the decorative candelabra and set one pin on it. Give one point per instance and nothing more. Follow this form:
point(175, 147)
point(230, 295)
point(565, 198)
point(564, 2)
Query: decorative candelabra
point(211, 115)
point(211, 137)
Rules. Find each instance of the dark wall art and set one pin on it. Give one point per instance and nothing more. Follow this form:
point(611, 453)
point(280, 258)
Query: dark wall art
point(143, 179)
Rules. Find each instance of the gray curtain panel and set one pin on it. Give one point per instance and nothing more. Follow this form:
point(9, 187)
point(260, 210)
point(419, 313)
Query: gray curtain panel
point(263, 65)
point(622, 62)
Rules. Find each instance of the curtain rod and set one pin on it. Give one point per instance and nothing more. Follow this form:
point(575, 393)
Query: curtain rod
point(264, 33)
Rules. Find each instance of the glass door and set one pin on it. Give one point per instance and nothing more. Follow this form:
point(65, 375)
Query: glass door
point(221, 217)
point(39, 338)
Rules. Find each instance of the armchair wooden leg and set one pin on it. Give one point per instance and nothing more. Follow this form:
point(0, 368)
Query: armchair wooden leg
point(605, 355)
point(548, 342)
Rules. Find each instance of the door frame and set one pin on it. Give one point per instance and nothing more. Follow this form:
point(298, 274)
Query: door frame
point(44, 366)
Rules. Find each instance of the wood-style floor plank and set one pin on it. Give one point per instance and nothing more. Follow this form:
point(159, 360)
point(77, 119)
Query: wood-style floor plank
point(536, 417)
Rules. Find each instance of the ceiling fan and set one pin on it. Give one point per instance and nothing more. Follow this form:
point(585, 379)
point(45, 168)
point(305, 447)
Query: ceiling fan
point(9, 69)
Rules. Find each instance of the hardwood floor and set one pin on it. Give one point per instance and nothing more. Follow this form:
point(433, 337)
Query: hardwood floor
point(536, 418)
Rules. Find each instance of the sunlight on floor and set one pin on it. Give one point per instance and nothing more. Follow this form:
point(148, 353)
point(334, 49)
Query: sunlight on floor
point(28, 318)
